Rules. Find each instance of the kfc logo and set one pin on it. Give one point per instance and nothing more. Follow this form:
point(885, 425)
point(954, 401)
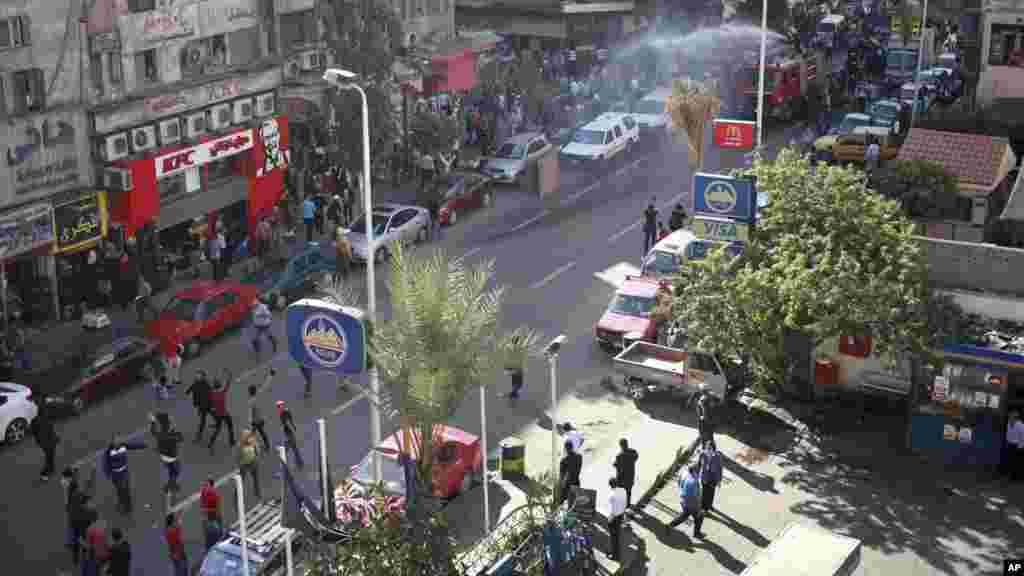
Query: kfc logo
point(177, 161)
point(204, 153)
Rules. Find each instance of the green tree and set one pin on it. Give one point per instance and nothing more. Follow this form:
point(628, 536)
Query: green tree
point(364, 36)
point(527, 77)
point(924, 189)
point(828, 257)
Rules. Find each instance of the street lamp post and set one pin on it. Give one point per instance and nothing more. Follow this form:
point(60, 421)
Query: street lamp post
point(240, 492)
point(552, 354)
point(920, 61)
point(344, 80)
point(761, 73)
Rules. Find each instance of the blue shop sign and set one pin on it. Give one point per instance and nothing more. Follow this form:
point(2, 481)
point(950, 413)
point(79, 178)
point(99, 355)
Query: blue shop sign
point(724, 197)
point(325, 336)
point(699, 249)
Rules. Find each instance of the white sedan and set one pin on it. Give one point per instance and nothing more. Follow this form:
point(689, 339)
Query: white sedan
point(17, 411)
point(391, 222)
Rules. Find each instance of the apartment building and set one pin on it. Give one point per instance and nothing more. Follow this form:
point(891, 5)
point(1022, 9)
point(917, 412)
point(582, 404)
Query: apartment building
point(184, 116)
point(49, 211)
point(1002, 50)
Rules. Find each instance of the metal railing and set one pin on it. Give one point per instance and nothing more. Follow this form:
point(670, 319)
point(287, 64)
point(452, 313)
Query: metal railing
point(508, 536)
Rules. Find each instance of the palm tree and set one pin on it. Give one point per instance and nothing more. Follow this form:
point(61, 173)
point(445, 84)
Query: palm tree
point(690, 106)
point(443, 340)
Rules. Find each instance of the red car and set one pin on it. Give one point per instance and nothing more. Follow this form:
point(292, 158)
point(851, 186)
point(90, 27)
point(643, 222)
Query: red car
point(458, 463)
point(116, 365)
point(200, 313)
point(463, 191)
point(630, 311)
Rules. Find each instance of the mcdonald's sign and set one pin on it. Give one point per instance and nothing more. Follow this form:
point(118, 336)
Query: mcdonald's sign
point(734, 134)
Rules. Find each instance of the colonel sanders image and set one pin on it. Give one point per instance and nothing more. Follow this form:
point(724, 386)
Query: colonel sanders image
point(273, 155)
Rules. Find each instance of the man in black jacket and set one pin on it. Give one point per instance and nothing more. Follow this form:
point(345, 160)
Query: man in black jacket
point(569, 473)
point(120, 562)
point(625, 469)
point(200, 391)
point(168, 439)
point(677, 219)
point(45, 433)
point(650, 226)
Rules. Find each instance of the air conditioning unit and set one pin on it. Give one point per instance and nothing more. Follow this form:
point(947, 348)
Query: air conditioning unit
point(243, 111)
point(118, 179)
point(220, 117)
point(143, 138)
point(115, 147)
point(195, 124)
point(265, 104)
point(292, 70)
point(310, 60)
point(170, 131)
point(979, 211)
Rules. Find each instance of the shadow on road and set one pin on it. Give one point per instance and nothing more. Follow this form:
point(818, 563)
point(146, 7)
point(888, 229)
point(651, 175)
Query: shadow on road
point(747, 532)
point(465, 513)
point(674, 538)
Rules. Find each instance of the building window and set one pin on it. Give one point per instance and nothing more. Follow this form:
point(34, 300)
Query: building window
point(221, 170)
point(145, 67)
point(298, 28)
point(15, 32)
point(96, 72)
point(141, 5)
point(204, 56)
point(29, 91)
point(245, 46)
point(171, 188)
point(1005, 45)
point(114, 62)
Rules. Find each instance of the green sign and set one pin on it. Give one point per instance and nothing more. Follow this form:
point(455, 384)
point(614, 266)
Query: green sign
point(720, 229)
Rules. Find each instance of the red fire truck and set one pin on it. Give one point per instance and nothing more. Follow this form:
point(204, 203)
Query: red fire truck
point(786, 83)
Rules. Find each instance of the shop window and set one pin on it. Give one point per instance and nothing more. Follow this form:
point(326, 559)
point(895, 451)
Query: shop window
point(1005, 45)
point(204, 56)
point(114, 66)
point(145, 67)
point(245, 46)
point(964, 391)
point(221, 170)
point(298, 28)
point(172, 188)
point(141, 5)
point(29, 91)
point(96, 72)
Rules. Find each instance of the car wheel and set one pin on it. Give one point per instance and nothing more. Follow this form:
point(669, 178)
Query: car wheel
point(78, 404)
point(452, 217)
point(193, 348)
point(16, 431)
point(421, 235)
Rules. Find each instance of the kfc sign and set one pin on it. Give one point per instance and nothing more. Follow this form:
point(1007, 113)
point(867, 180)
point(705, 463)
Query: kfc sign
point(734, 134)
point(200, 154)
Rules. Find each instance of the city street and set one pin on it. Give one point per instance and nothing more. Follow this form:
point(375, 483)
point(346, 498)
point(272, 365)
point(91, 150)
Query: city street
point(559, 262)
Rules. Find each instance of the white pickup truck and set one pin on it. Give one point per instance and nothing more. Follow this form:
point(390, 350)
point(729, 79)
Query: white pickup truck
point(648, 367)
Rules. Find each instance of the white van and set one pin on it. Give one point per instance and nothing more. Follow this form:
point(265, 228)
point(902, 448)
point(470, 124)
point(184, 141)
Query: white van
point(650, 112)
point(667, 256)
point(604, 138)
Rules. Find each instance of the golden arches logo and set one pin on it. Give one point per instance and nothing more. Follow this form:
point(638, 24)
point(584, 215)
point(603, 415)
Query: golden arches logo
point(732, 132)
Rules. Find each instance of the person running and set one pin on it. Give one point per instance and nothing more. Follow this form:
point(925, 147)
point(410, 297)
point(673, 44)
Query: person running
point(221, 416)
point(262, 320)
point(689, 494)
point(288, 427)
point(115, 465)
point(168, 442)
point(200, 391)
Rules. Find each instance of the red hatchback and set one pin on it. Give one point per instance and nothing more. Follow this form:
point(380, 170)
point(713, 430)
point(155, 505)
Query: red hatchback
point(463, 192)
point(200, 313)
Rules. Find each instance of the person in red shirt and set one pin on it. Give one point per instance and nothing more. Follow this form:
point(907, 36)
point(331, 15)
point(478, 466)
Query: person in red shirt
point(176, 545)
point(209, 500)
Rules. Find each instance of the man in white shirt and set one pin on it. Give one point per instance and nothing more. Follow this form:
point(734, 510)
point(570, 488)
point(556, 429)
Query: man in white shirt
point(616, 513)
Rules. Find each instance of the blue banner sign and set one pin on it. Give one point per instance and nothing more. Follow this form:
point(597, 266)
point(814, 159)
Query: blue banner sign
point(699, 249)
point(724, 197)
point(325, 336)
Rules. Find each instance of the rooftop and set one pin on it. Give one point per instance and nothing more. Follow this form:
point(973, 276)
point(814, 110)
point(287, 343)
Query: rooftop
point(974, 160)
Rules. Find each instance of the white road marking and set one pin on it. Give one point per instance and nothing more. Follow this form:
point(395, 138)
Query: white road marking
point(553, 275)
point(629, 166)
point(530, 221)
point(614, 237)
point(616, 274)
point(471, 252)
point(593, 185)
point(589, 188)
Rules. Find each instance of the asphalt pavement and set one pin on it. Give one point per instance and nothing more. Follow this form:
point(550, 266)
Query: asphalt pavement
point(559, 262)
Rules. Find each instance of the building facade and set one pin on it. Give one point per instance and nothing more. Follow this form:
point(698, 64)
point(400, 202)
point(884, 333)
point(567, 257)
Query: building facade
point(1002, 51)
point(552, 24)
point(46, 172)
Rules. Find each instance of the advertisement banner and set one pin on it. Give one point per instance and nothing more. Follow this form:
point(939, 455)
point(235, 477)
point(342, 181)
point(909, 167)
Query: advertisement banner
point(699, 249)
point(79, 222)
point(720, 229)
point(325, 336)
point(721, 196)
point(26, 229)
point(204, 153)
point(734, 134)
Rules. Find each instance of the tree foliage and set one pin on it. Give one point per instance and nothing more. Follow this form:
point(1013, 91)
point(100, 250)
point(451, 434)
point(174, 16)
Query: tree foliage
point(924, 189)
point(828, 257)
point(368, 50)
point(690, 106)
point(431, 133)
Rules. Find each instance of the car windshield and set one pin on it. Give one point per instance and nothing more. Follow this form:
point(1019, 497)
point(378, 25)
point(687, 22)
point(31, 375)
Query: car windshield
point(380, 222)
point(900, 61)
point(221, 563)
point(511, 150)
point(653, 107)
point(632, 305)
point(851, 122)
point(592, 137)
point(183, 308)
point(660, 263)
point(390, 470)
point(885, 111)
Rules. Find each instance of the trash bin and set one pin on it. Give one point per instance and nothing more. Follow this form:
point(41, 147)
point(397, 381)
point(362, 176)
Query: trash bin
point(513, 457)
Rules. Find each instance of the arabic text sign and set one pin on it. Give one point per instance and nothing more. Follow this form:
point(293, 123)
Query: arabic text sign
point(722, 196)
point(325, 336)
point(144, 30)
point(227, 16)
point(183, 100)
point(720, 229)
point(42, 154)
point(26, 229)
point(200, 154)
point(78, 222)
point(734, 134)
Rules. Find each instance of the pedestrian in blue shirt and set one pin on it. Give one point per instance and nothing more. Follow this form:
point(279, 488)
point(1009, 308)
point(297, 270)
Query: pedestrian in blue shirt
point(690, 494)
point(115, 465)
point(308, 215)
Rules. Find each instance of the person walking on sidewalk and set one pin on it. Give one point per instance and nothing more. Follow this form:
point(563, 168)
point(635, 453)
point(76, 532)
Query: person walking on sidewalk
point(625, 469)
point(616, 513)
point(703, 407)
point(200, 391)
point(221, 417)
point(689, 493)
point(650, 226)
point(710, 475)
point(248, 459)
point(168, 443)
point(308, 214)
point(288, 427)
point(256, 422)
point(115, 465)
point(262, 320)
point(144, 301)
point(45, 433)
point(343, 256)
point(569, 474)
point(120, 562)
point(175, 545)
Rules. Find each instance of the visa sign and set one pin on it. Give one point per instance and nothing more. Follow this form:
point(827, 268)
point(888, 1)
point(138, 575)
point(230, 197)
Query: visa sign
point(204, 153)
point(720, 229)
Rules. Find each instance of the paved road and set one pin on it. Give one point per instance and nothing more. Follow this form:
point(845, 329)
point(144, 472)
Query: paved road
point(559, 263)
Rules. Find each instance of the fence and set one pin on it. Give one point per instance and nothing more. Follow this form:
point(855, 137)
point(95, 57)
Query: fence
point(972, 266)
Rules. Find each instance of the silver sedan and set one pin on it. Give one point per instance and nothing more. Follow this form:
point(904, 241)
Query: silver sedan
point(391, 222)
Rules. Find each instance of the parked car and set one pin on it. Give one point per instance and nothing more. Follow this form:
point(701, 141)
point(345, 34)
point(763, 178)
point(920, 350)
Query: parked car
point(200, 313)
point(944, 84)
point(514, 157)
point(266, 538)
point(888, 113)
point(298, 275)
point(667, 256)
point(916, 94)
point(851, 148)
point(458, 462)
point(17, 411)
point(464, 191)
point(630, 312)
point(110, 368)
point(823, 145)
point(391, 223)
point(606, 138)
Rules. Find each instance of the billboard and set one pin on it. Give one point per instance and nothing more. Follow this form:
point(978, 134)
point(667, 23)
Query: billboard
point(721, 196)
point(325, 336)
point(734, 134)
